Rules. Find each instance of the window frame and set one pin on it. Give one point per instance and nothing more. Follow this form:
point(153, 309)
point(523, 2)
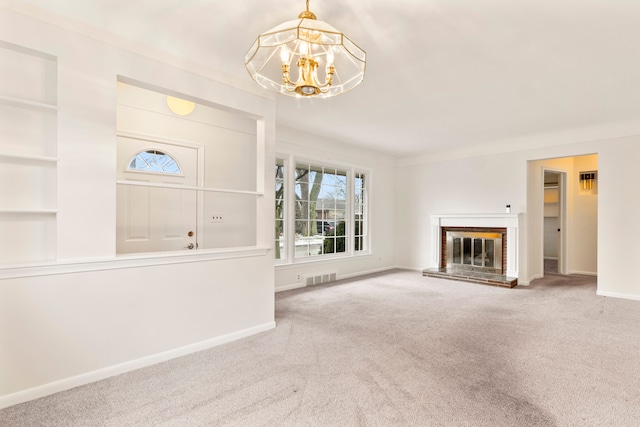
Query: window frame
point(291, 163)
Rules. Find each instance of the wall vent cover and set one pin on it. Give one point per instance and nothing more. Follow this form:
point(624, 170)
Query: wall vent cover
point(321, 278)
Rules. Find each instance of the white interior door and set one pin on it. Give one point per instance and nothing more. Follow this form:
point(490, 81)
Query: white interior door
point(152, 219)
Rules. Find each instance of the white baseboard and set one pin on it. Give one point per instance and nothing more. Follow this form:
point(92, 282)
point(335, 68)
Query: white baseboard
point(100, 374)
point(289, 287)
point(534, 277)
point(583, 273)
point(634, 297)
point(364, 273)
point(403, 267)
point(298, 285)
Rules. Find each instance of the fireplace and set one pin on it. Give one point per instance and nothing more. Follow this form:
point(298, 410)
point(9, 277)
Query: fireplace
point(473, 249)
point(476, 247)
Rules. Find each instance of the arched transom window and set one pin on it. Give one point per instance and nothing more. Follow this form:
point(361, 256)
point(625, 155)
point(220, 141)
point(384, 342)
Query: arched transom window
point(154, 161)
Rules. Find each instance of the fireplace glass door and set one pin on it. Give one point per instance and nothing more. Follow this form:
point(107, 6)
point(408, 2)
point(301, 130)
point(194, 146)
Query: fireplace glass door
point(472, 250)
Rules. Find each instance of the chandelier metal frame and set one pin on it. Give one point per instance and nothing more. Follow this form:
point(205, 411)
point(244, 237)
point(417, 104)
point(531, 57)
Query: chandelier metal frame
point(304, 44)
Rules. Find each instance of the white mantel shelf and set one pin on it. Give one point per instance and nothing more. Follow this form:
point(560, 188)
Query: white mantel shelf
point(510, 221)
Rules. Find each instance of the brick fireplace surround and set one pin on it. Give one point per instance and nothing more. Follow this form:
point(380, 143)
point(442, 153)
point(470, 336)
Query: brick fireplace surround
point(507, 224)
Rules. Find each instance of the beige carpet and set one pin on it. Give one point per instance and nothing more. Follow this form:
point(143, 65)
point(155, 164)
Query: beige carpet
point(391, 349)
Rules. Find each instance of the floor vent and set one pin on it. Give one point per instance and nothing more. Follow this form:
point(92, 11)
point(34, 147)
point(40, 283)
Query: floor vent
point(321, 278)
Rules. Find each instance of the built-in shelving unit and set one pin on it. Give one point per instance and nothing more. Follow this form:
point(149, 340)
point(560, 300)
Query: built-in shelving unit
point(28, 155)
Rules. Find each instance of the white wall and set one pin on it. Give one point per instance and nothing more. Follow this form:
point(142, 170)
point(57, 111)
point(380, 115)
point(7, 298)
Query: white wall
point(57, 327)
point(486, 184)
point(381, 198)
point(471, 185)
point(583, 258)
point(618, 207)
point(89, 314)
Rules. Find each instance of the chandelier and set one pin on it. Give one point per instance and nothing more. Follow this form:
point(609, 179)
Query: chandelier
point(305, 44)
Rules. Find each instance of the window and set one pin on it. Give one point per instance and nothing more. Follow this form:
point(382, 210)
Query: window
point(154, 161)
point(328, 211)
point(360, 212)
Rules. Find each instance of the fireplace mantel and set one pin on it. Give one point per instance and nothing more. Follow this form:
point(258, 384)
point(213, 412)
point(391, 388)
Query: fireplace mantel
point(510, 221)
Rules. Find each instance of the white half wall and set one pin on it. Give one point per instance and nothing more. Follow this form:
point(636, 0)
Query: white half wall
point(54, 328)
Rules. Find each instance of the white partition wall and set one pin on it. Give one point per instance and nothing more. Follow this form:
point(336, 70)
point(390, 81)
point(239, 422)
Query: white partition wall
point(72, 311)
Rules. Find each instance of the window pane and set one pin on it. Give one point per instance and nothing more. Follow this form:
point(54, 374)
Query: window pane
point(329, 245)
point(280, 242)
point(466, 250)
point(154, 161)
point(477, 252)
point(360, 212)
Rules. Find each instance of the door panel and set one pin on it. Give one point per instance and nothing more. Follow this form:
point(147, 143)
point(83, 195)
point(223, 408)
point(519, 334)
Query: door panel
point(151, 219)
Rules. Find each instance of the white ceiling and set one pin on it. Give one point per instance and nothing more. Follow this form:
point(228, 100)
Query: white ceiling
point(442, 75)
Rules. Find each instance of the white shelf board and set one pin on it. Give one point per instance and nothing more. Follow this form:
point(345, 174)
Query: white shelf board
point(26, 103)
point(29, 157)
point(28, 211)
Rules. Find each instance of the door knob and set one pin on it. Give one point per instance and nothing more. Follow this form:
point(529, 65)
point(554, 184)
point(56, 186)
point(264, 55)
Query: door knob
point(189, 246)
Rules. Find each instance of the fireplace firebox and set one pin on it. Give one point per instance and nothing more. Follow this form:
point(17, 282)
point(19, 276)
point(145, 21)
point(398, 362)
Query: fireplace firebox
point(474, 251)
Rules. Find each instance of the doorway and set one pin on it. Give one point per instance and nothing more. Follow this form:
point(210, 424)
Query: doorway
point(153, 213)
point(553, 221)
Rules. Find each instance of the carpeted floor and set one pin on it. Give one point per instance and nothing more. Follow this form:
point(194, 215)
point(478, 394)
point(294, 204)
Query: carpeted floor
point(391, 349)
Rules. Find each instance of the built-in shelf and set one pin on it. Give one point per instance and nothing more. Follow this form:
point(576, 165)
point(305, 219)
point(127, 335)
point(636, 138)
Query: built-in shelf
point(26, 103)
point(187, 187)
point(28, 223)
point(29, 157)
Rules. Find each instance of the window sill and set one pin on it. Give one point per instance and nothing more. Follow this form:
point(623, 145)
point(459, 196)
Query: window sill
point(129, 261)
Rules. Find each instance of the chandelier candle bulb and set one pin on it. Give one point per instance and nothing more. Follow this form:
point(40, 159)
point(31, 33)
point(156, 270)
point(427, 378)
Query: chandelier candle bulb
point(284, 55)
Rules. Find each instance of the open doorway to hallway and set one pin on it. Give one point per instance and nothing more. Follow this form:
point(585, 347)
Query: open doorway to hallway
point(575, 210)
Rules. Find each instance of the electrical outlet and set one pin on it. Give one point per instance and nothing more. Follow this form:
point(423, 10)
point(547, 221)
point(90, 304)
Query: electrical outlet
point(299, 277)
point(216, 217)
